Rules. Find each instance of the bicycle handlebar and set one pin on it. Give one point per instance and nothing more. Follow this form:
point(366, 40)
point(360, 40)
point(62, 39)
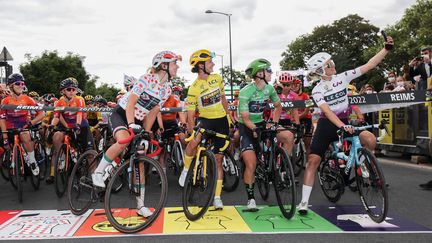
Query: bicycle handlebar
point(128, 139)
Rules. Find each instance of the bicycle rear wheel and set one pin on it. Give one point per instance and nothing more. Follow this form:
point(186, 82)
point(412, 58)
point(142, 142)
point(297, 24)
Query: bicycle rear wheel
point(231, 176)
point(5, 164)
point(197, 195)
point(284, 182)
point(262, 179)
point(330, 179)
point(41, 159)
point(299, 158)
point(177, 157)
point(121, 207)
point(60, 172)
point(372, 186)
point(80, 192)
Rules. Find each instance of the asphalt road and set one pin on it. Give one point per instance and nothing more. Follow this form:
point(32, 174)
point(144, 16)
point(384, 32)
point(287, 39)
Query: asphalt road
point(406, 199)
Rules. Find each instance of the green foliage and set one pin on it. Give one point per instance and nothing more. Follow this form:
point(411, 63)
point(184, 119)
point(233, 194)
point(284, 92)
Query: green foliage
point(44, 73)
point(238, 76)
point(179, 81)
point(109, 92)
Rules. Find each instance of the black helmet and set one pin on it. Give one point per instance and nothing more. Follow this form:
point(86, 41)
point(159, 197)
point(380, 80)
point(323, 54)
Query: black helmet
point(101, 100)
point(14, 78)
point(68, 83)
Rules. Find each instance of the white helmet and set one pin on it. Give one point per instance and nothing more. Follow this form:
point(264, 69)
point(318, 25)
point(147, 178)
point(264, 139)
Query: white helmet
point(128, 80)
point(315, 64)
point(164, 56)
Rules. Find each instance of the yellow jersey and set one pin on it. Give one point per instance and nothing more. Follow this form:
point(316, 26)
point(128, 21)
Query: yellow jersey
point(206, 95)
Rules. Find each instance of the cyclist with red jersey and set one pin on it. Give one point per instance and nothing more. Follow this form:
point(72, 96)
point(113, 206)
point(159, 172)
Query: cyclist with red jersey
point(10, 119)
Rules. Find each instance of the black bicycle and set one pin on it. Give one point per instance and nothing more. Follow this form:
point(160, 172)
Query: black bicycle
point(274, 167)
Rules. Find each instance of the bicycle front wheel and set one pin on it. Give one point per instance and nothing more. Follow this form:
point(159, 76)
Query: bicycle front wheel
point(177, 156)
point(60, 172)
point(284, 182)
point(200, 186)
point(299, 158)
point(16, 172)
point(330, 179)
point(371, 186)
point(5, 164)
point(41, 159)
point(135, 207)
point(80, 191)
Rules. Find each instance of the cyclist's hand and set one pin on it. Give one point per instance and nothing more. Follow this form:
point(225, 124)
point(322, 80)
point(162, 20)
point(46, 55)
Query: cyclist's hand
point(160, 130)
point(348, 128)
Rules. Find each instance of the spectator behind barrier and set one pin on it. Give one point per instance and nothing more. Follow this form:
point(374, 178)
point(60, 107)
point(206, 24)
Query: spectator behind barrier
point(422, 66)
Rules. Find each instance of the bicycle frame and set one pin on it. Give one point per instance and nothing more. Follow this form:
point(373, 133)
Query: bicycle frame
point(17, 143)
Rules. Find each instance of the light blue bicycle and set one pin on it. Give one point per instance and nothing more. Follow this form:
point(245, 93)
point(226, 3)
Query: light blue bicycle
point(345, 161)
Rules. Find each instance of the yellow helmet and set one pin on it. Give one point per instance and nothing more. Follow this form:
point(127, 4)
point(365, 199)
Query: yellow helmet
point(200, 56)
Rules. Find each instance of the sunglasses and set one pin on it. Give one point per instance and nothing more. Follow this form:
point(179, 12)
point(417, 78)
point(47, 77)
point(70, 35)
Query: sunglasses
point(330, 64)
point(205, 55)
point(269, 70)
point(286, 85)
point(19, 83)
point(70, 89)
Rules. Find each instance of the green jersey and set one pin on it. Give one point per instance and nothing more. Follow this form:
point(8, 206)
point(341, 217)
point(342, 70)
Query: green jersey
point(254, 101)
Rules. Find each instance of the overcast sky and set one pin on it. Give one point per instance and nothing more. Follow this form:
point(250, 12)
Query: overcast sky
point(119, 37)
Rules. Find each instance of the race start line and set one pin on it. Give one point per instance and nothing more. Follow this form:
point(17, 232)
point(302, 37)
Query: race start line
point(61, 224)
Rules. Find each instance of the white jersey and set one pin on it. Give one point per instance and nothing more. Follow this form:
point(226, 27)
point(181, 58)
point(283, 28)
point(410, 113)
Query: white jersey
point(334, 92)
point(151, 93)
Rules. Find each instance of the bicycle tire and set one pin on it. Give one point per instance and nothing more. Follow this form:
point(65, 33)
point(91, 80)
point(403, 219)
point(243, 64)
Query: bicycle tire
point(80, 181)
point(231, 175)
point(119, 172)
point(262, 179)
point(330, 179)
point(18, 174)
point(5, 165)
point(41, 159)
point(299, 158)
point(177, 157)
point(284, 179)
point(201, 185)
point(375, 180)
point(60, 173)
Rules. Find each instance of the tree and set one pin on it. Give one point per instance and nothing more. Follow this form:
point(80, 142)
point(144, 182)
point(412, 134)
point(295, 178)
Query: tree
point(238, 76)
point(109, 92)
point(345, 39)
point(44, 73)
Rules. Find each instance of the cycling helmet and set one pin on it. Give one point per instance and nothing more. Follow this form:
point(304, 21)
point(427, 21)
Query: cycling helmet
point(48, 97)
point(33, 94)
point(285, 77)
point(177, 88)
point(89, 98)
point(80, 92)
point(69, 83)
point(14, 78)
point(200, 56)
point(97, 97)
point(257, 65)
point(164, 56)
point(315, 64)
point(128, 80)
point(101, 100)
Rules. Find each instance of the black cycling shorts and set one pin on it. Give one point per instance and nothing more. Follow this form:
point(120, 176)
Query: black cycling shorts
point(170, 129)
point(247, 140)
point(324, 135)
point(219, 125)
point(118, 120)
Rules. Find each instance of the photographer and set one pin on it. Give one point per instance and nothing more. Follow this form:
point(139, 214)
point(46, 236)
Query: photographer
point(421, 66)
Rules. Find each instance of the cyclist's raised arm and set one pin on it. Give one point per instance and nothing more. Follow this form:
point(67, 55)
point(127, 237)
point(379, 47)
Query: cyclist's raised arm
point(325, 108)
point(375, 60)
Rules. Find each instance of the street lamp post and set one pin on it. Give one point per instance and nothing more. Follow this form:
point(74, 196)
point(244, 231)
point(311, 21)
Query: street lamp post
point(230, 49)
point(222, 70)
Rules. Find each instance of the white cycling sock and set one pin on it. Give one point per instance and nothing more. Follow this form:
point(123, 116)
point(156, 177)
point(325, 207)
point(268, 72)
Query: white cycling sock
point(306, 191)
point(103, 164)
point(140, 198)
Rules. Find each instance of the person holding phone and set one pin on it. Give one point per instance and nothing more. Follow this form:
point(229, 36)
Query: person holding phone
point(422, 66)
